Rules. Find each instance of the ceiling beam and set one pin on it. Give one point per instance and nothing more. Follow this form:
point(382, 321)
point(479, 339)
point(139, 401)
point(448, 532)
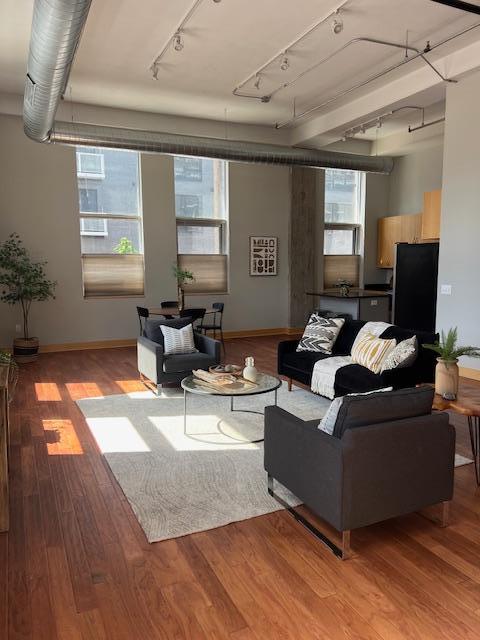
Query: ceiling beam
point(461, 5)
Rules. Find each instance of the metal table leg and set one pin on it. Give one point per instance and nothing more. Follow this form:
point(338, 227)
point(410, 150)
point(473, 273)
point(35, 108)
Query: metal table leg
point(185, 412)
point(474, 430)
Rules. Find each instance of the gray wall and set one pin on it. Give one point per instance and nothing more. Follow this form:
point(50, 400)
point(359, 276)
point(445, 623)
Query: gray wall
point(460, 227)
point(376, 206)
point(412, 175)
point(38, 199)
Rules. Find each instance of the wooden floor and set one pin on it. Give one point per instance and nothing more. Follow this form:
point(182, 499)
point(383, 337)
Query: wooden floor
point(76, 564)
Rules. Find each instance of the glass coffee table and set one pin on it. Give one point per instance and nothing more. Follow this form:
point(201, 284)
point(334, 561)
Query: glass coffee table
point(265, 384)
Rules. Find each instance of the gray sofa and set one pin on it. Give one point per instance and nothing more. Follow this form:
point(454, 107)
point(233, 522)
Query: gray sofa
point(161, 369)
point(388, 455)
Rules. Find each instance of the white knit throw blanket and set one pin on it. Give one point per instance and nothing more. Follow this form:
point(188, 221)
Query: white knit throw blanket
point(324, 371)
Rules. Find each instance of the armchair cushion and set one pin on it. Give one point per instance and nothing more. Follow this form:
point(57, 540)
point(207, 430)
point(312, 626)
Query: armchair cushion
point(187, 362)
point(153, 327)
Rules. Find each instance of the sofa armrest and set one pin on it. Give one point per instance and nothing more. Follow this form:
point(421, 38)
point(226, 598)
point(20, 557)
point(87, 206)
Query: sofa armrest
point(307, 461)
point(149, 358)
point(397, 467)
point(208, 345)
point(284, 347)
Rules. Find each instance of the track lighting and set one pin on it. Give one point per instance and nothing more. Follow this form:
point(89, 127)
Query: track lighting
point(155, 71)
point(217, 1)
point(285, 63)
point(337, 24)
point(257, 82)
point(178, 42)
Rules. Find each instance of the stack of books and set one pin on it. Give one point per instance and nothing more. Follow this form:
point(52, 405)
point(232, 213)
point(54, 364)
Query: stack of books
point(220, 381)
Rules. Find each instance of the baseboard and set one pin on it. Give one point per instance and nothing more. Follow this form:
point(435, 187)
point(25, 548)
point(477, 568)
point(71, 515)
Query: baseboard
point(81, 346)
point(131, 342)
point(472, 374)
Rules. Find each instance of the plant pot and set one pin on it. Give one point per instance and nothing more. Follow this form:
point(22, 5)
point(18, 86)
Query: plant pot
point(446, 378)
point(25, 350)
point(181, 299)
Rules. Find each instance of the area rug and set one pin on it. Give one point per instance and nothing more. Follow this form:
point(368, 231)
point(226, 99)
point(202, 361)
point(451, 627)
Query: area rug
point(178, 484)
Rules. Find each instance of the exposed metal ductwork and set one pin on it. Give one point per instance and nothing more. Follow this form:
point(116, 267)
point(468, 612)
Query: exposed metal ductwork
point(56, 30)
point(235, 150)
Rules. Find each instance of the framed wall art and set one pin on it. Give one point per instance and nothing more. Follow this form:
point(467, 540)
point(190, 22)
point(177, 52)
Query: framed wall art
point(263, 255)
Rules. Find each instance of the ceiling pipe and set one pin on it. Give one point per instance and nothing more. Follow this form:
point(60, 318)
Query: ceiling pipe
point(235, 150)
point(459, 4)
point(56, 30)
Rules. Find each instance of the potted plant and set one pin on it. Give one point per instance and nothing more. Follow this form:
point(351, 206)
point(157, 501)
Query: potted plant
point(182, 276)
point(446, 372)
point(23, 281)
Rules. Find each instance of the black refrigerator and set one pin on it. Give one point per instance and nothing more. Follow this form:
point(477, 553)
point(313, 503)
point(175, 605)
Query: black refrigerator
point(415, 286)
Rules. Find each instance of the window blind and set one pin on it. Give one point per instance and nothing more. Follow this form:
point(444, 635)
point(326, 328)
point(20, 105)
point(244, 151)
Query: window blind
point(112, 275)
point(337, 268)
point(210, 271)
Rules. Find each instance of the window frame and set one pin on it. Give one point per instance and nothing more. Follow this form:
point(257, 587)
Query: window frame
point(345, 226)
point(221, 224)
point(93, 175)
point(101, 234)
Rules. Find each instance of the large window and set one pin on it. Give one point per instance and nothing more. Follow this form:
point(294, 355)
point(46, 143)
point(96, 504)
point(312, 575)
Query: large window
point(110, 222)
point(344, 215)
point(202, 222)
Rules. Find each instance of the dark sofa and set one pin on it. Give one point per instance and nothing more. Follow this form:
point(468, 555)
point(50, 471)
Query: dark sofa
point(389, 455)
point(354, 378)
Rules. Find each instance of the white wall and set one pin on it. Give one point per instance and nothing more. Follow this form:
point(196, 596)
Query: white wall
point(376, 206)
point(38, 199)
point(460, 227)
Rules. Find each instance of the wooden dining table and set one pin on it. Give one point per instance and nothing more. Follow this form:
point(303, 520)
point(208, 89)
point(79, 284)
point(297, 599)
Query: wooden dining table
point(171, 311)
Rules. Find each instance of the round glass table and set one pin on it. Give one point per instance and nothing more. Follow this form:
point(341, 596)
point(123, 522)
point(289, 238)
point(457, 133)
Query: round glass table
point(264, 384)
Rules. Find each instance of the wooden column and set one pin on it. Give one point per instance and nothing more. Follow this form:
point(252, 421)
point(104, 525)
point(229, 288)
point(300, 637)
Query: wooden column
point(302, 243)
point(4, 518)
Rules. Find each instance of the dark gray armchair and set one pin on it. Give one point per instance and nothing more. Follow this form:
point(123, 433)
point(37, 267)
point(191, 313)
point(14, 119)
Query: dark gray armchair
point(159, 368)
point(388, 456)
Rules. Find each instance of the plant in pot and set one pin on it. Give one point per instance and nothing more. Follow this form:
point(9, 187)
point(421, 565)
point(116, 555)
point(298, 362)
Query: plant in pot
point(182, 276)
point(446, 372)
point(23, 281)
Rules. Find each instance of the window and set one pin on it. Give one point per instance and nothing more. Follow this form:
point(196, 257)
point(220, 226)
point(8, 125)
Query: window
point(202, 224)
point(90, 165)
point(344, 214)
point(110, 222)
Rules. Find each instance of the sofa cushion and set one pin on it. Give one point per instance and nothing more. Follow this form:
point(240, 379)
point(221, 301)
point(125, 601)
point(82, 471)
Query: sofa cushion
point(152, 329)
point(359, 411)
point(187, 362)
point(344, 343)
point(404, 355)
point(423, 369)
point(303, 360)
point(320, 334)
point(178, 341)
point(370, 351)
point(328, 422)
point(354, 378)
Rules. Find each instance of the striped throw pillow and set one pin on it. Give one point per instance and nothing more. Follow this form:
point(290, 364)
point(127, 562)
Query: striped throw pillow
point(178, 341)
point(371, 352)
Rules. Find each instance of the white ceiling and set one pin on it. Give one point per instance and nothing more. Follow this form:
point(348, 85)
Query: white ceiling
point(224, 43)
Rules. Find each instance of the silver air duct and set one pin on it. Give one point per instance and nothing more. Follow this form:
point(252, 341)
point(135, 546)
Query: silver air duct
point(235, 150)
point(56, 29)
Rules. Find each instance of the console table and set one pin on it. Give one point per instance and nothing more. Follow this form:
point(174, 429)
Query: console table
point(466, 404)
point(4, 375)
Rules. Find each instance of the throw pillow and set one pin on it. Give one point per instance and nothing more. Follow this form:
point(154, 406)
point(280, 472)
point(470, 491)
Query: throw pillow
point(329, 420)
point(404, 355)
point(320, 334)
point(178, 341)
point(371, 352)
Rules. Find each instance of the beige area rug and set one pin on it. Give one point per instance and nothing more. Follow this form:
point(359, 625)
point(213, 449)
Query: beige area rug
point(178, 484)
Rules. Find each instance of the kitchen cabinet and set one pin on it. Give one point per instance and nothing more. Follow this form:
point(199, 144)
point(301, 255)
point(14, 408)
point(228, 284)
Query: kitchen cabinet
point(432, 206)
point(394, 229)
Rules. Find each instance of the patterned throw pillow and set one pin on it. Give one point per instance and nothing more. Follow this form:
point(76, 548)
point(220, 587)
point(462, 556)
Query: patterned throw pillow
point(320, 334)
point(371, 352)
point(178, 341)
point(404, 355)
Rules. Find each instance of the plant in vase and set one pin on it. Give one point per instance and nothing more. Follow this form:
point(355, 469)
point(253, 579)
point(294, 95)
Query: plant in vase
point(446, 372)
point(182, 276)
point(23, 281)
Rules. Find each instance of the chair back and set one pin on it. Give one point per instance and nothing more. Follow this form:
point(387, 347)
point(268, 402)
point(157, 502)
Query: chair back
point(169, 303)
point(194, 314)
point(142, 313)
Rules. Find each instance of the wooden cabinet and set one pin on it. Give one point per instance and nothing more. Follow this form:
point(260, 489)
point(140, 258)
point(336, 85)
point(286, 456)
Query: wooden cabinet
point(392, 230)
point(432, 206)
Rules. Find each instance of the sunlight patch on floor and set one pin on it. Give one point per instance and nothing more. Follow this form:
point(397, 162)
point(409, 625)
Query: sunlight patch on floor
point(116, 434)
point(47, 392)
point(204, 433)
point(61, 438)
point(78, 390)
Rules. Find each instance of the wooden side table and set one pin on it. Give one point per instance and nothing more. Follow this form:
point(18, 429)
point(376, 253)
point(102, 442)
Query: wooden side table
point(4, 507)
point(467, 404)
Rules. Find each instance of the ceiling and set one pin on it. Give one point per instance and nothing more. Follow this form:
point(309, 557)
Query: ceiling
point(224, 43)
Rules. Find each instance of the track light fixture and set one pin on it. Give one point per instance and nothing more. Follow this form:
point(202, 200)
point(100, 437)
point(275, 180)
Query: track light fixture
point(178, 41)
point(155, 70)
point(284, 65)
point(337, 24)
point(258, 80)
